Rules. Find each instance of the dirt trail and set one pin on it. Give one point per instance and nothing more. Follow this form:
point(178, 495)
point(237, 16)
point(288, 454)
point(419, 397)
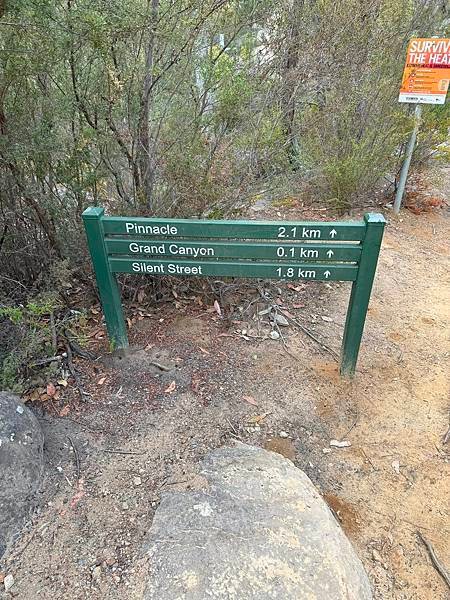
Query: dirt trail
point(393, 481)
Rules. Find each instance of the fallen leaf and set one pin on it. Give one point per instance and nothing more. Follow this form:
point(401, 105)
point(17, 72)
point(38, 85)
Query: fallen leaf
point(327, 319)
point(79, 494)
point(51, 390)
point(170, 388)
point(129, 323)
point(63, 382)
point(95, 311)
point(64, 411)
point(286, 313)
point(204, 351)
point(217, 308)
point(195, 383)
point(250, 400)
point(257, 418)
point(140, 296)
point(101, 381)
point(298, 306)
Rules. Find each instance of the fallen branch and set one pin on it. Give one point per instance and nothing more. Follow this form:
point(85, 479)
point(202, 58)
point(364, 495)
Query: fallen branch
point(45, 361)
point(74, 374)
point(76, 348)
point(334, 354)
point(434, 559)
point(160, 366)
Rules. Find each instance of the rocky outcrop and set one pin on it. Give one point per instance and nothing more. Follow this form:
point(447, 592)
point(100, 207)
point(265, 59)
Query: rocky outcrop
point(21, 465)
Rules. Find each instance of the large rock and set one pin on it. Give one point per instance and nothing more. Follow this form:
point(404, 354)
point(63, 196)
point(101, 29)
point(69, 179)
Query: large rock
point(258, 530)
point(21, 465)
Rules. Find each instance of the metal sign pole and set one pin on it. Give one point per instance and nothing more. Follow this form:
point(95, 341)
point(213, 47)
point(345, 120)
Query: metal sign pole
point(407, 161)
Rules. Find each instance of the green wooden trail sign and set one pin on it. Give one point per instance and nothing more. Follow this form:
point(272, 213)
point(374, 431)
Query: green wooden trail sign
point(263, 249)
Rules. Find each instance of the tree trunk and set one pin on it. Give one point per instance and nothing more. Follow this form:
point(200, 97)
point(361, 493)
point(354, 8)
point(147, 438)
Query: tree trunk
point(290, 77)
point(145, 150)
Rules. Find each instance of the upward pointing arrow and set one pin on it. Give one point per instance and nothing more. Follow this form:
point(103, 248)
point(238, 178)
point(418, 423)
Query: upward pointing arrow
point(327, 274)
point(330, 253)
point(333, 233)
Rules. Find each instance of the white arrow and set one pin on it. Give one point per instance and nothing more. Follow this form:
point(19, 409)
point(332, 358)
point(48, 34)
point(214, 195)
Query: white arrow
point(327, 274)
point(330, 253)
point(333, 233)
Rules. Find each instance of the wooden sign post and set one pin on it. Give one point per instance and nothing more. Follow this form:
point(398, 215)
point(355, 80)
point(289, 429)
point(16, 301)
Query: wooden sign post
point(261, 249)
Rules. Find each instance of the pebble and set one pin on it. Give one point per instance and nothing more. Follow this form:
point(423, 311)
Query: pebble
point(281, 320)
point(254, 429)
point(339, 444)
point(376, 556)
point(283, 434)
point(274, 335)
point(9, 582)
point(19, 409)
point(97, 571)
point(137, 481)
point(125, 506)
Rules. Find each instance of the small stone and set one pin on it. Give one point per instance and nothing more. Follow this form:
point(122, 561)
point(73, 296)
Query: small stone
point(327, 450)
point(19, 409)
point(125, 506)
point(376, 556)
point(339, 444)
point(137, 481)
point(396, 466)
point(274, 335)
point(283, 434)
point(8, 582)
point(253, 429)
point(281, 320)
point(96, 572)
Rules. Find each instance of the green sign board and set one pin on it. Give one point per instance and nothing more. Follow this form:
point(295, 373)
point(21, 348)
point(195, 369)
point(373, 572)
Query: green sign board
point(262, 249)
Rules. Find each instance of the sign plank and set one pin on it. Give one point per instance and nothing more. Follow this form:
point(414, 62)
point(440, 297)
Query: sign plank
point(314, 271)
point(255, 230)
point(212, 249)
point(427, 71)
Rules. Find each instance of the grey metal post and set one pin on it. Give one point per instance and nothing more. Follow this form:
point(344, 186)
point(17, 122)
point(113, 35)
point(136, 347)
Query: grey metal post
point(407, 161)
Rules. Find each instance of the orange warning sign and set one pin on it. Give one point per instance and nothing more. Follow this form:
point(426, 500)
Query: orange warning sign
point(427, 71)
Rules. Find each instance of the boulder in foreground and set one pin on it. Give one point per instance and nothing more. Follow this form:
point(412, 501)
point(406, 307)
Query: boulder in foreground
point(21, 465)
point(259, 530)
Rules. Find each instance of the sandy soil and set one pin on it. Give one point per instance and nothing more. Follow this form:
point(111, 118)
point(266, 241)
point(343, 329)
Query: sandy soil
point(144, 430)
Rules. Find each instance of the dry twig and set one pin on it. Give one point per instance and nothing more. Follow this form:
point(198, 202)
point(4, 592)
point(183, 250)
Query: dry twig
point(434, 559)
point(77, 456)
point(75, 374)
point(122, 452)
